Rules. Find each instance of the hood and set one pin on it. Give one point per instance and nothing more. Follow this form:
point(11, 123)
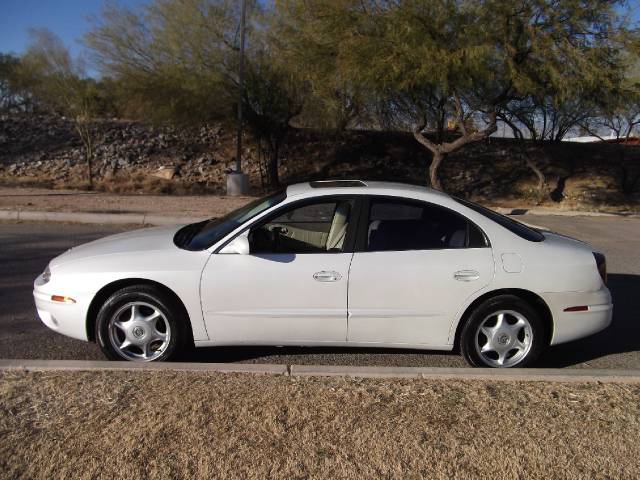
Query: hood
point(143, 241)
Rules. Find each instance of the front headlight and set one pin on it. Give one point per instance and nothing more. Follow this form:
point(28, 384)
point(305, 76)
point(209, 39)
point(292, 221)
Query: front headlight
point(46, 275)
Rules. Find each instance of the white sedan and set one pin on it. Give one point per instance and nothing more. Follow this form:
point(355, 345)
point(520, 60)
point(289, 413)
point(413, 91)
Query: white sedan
point(336, 263)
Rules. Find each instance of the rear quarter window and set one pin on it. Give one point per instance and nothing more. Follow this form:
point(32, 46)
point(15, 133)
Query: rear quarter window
point(518, 228)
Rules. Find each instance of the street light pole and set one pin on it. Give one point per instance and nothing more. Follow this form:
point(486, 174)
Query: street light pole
point(240, 88)
point(238, 182)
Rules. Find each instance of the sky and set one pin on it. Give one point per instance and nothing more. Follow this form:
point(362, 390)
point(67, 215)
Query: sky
point(69, 20)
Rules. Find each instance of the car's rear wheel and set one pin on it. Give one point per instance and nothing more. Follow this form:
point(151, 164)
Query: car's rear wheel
point(502, 332)
point(140, 324)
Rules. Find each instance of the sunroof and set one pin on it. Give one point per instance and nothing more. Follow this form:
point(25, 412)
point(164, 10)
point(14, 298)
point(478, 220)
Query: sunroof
point(337, 183)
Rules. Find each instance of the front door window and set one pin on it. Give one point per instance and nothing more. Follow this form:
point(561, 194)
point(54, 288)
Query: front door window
point(311, 228)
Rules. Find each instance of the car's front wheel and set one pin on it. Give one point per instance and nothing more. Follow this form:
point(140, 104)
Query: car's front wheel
point(504, 331)
point(141, 324)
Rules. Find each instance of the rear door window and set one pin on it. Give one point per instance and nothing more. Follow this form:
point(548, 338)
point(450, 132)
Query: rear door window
point(398, 224)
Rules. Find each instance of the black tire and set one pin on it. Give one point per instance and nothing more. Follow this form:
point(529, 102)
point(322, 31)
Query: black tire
point(173, 315)
point(537, 335)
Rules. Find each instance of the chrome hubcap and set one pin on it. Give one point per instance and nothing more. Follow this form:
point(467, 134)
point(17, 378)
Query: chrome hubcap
point(139, 331)
point(504, 338)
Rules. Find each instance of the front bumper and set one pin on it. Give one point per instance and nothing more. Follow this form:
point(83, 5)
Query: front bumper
point(568, 326)
point(66, 318)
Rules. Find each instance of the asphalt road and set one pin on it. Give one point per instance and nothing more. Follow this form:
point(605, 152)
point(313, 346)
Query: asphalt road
point(26, 248)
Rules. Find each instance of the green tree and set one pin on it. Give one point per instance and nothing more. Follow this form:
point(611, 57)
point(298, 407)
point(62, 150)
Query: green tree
point(177, 61)
point(58, 82)
point(454, 64)
point(548, 118)
point(272, 98)
point(618, 115)
point(173, 59)
point(10, 93)
point(617, 118)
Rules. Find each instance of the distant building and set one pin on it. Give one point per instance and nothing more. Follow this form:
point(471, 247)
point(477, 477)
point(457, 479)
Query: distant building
point(632, 140)
point(585, 139)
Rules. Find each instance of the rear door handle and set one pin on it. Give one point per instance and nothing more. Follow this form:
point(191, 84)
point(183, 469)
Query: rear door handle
point(326, 276)
point(466, 275)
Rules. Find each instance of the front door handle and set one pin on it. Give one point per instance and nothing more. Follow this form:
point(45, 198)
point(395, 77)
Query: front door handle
point(325, 276)
point(466, 275)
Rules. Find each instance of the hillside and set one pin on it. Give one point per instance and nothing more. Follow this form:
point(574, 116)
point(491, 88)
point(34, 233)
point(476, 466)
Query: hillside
point(130, 156)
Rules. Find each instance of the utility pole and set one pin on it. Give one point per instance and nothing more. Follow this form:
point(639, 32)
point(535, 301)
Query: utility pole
point(240, 88)
point(238, 182)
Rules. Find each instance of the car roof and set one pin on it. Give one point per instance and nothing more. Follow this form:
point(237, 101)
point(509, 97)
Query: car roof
point(361, 187)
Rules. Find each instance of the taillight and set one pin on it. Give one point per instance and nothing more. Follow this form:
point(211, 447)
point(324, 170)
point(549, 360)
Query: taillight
point(601, 262)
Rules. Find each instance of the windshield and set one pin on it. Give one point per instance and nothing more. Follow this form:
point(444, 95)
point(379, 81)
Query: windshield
point(201, 235)
point(520, 229)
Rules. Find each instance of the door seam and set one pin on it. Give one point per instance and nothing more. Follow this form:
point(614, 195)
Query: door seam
point(346, 335)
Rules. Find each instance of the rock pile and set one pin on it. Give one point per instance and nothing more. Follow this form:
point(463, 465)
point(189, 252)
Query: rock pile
point(132, 156)
point(47, 148)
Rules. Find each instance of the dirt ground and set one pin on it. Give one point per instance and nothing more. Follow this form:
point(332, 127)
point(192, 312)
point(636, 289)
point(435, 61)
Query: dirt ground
point(208, 425)
point(205, 206)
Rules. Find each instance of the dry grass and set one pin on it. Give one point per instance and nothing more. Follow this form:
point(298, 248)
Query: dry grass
point(141, 181)
point(198, 425)
point(135, 182)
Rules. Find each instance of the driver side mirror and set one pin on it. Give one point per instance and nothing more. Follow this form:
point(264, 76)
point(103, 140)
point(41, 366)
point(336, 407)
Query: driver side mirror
point(238, 246)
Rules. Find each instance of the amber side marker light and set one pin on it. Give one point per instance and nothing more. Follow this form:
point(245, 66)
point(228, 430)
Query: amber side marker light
point(581, 308)
point(60, 298)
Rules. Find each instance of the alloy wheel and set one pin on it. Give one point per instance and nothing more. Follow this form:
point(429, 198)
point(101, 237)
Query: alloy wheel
point(139, 331)
point(503, 338)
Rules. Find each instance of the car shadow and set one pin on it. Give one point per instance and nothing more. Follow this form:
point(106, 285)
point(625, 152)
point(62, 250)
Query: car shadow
point(623, 335)
point(321, 355)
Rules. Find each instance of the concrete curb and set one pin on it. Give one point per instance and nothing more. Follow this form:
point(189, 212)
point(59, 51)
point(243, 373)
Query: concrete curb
point(103, 218)
point(96, 366)
point(560, 213)
point(428, 373)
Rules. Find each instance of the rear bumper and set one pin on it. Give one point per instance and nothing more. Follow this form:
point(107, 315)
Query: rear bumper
point(568, 326)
